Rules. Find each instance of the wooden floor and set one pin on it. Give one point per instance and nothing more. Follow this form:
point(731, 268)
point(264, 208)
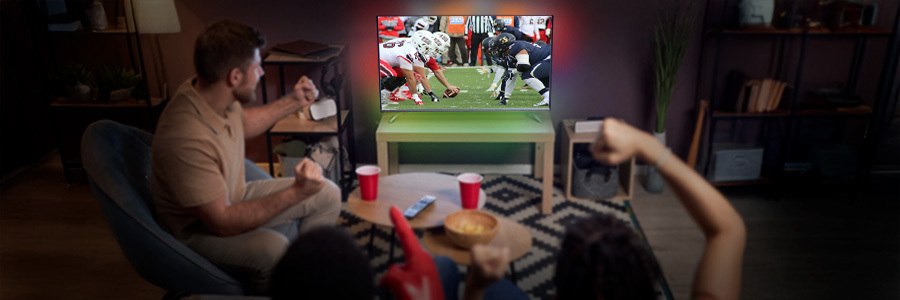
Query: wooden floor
point(805, 245)
point(55, 243)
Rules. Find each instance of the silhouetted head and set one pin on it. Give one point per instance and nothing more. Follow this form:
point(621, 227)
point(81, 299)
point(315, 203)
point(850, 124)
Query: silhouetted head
point(602, 257)
point(324, 263)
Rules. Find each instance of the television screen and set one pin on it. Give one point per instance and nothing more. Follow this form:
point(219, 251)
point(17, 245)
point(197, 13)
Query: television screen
point(464, 63)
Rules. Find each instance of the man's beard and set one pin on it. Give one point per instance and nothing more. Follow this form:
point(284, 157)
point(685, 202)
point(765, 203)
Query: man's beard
point(245, 97)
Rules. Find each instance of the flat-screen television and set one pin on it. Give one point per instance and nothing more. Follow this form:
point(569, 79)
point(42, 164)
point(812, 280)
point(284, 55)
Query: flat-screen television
point(464, 63)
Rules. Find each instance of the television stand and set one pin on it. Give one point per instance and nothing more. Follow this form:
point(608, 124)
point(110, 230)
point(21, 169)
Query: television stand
point(471, 127)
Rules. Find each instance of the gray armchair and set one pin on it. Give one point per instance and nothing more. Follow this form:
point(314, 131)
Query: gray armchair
point(117, 160)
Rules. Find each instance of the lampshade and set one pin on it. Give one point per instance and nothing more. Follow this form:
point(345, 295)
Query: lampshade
point(153, 16)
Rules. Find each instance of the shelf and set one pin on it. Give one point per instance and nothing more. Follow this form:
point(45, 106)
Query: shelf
point(621, 195)
point(779, 113)
point(859, 111)
point(63, 102)
point(860, 31)
point(293, 124)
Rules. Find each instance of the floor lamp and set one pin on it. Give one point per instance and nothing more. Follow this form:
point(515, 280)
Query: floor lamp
point(152, 17)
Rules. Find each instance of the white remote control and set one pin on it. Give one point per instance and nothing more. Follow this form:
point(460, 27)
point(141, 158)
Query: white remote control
point(420, 205)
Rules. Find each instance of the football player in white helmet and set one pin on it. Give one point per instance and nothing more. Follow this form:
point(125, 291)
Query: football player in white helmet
point(424, 42)
point(424, 23)
point(400, 61)
point(431, 63)
point(444, 38)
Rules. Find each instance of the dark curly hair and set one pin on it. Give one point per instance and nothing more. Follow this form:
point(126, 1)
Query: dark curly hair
point(323, 263)
point(601, 257)
point(223, 46)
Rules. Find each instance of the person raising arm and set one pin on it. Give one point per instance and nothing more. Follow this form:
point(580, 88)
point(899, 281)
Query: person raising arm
point(718, 275)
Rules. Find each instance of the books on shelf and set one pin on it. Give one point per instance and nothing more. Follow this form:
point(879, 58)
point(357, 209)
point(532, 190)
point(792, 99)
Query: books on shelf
point(760, 96)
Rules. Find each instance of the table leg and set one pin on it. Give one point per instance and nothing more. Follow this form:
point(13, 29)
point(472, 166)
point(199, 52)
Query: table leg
point(538, 160)
point(371, 239)
point(382, 151)
point(547, 199)
point(394, 158)
point(391, 252)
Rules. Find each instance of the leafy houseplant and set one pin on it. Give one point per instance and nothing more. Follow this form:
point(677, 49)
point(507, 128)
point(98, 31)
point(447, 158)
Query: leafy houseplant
point(670, 40)
point(76, 82)
point(117, 84)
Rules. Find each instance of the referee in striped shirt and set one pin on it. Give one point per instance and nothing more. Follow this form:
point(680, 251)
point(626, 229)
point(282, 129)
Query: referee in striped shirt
point(480, 26)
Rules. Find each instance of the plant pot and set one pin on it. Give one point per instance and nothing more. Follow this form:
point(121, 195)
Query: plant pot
point(655, 183)
point(120, 94)
point(78, 92)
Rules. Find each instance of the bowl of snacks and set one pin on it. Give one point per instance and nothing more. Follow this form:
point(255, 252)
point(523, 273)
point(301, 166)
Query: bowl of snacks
point(469, 227)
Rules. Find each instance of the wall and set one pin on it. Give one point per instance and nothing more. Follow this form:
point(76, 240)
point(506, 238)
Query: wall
point(602, 60)
point(25, 122)
point(601, 56)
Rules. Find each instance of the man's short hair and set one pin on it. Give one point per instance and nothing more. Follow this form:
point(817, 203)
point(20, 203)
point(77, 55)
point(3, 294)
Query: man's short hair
point(601, 257)
point(223, 46)
point(324, 263)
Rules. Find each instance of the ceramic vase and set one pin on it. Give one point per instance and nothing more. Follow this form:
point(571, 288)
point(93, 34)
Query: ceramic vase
point(97, 16)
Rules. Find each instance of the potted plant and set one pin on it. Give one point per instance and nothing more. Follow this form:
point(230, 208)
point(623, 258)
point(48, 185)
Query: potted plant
point(117, 84)
point(670, 40)
point(76, 82)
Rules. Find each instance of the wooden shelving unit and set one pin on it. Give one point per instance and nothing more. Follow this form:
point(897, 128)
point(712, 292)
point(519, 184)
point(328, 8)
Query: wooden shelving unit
point(569, 139)
point(296, 126)
point(71, 117)
point(787, 66)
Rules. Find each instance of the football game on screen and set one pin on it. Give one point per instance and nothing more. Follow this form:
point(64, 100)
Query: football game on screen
point(464, 63)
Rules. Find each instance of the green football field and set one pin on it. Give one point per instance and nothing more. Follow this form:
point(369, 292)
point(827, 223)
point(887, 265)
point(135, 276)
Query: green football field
point(472, 94)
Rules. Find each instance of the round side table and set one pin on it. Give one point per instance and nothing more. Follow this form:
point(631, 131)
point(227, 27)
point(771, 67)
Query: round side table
point(404, 190)
point(510, 234)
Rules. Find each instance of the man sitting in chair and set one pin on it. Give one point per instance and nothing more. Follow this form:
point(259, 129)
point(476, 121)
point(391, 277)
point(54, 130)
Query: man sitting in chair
point(200, 194)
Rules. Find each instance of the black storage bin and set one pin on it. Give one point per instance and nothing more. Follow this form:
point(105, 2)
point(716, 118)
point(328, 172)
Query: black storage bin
point(590, 179)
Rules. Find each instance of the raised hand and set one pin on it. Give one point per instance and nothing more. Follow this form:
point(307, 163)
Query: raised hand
point(618, 141)
point(305, 91)
point(418, 278)
point(308, 177)
point(488, 265)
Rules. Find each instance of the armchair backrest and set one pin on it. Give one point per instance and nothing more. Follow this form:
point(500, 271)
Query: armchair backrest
point(117, 160)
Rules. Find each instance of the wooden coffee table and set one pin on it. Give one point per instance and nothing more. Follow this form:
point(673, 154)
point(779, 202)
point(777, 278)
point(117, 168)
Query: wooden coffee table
point(402, 191)
point(510, 234)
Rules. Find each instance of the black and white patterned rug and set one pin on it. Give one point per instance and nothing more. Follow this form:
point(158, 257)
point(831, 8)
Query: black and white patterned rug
point(516, 197)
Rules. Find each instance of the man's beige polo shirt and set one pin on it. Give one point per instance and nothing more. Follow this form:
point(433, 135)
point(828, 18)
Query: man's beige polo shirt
point(197, 157)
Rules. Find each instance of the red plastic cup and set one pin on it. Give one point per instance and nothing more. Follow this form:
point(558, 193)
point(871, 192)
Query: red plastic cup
point(469, 188)
point(368, 182)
